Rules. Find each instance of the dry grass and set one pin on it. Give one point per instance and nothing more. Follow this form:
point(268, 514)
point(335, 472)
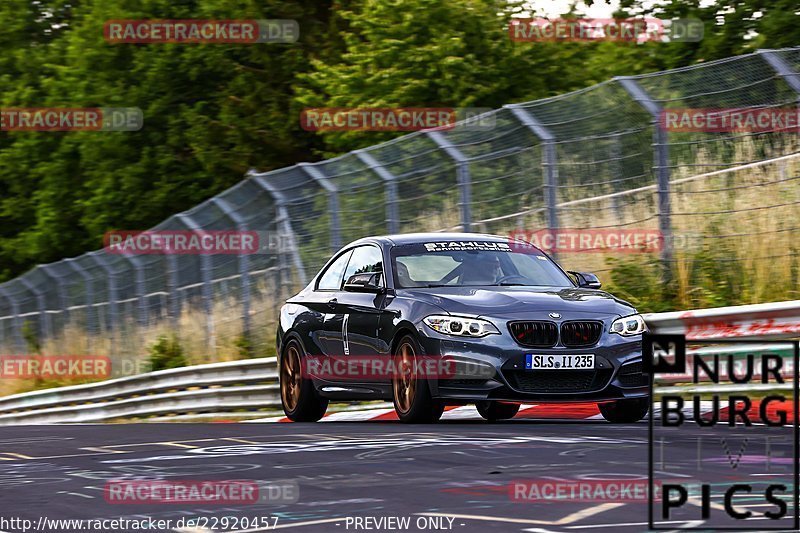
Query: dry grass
point(746, 219)
point(128, 348)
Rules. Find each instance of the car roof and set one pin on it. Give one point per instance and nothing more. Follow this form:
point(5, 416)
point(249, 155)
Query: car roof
point(415, 238)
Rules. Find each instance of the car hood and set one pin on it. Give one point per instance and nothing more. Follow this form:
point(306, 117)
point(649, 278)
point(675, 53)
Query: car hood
point(520, 301)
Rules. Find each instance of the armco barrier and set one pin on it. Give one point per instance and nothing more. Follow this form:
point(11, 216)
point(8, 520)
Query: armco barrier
point(779, 320)
point(220, 388)
point(252, 385)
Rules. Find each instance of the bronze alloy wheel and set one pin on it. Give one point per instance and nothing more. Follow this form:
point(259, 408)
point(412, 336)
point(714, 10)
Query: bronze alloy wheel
point(301, 402)
point(412, 396)
point(291, 378)
point(405, 383)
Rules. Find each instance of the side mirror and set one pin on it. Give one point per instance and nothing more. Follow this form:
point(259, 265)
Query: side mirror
point(586, 280)
point(365, 282)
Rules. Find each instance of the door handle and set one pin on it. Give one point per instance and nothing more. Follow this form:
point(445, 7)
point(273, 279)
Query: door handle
point(332, 303)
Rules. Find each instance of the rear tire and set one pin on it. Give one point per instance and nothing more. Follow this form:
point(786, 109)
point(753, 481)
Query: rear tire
point(493, 411)
point(300, 400)
point(625, 411)
point(411, 396)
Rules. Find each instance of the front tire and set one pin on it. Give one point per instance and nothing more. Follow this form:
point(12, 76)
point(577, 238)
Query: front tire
point(411, 395)
point(493, 411)
point(625, 411)
point(300, 400)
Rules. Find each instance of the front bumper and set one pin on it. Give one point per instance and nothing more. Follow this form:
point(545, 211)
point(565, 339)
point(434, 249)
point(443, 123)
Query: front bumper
point(502, 374)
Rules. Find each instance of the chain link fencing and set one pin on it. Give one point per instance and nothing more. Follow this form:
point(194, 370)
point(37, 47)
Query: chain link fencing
point(725, 205)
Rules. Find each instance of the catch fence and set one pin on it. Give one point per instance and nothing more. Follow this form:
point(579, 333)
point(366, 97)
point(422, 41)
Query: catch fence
point(596, 159)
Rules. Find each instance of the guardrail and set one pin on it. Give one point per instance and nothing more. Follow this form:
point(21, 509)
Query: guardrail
point(226, 389)
point(250, 385)
point(779, 320)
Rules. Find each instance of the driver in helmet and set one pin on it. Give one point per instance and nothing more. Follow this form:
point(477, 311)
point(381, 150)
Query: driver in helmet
point(481, 269)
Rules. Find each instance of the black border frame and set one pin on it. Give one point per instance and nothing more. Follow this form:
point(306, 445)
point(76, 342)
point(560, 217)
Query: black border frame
point(795, 425)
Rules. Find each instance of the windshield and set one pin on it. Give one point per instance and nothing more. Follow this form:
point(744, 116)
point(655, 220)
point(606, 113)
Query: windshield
point(473, 264)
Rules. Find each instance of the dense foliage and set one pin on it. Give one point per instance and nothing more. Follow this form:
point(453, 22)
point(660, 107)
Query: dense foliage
point(214, 111)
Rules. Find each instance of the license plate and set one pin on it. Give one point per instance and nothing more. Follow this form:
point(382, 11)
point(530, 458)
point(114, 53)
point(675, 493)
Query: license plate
point(559, 362)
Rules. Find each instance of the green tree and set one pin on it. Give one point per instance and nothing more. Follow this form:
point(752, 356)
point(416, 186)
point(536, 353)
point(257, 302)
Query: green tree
point(731, 28)
point(211, 112)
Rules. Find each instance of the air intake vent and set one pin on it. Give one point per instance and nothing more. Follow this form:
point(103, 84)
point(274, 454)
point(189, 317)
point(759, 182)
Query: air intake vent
point(630, 375)
point(580, 334)
point(535, 334)
point(554, 381)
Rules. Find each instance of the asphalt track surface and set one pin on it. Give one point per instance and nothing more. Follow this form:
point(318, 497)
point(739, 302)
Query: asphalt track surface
point(456, 472)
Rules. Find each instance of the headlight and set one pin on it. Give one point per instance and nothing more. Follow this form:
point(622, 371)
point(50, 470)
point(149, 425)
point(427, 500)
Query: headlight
point(629, 325)
point(460, 326)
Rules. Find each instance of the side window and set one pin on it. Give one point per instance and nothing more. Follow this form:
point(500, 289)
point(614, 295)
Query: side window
point(331, 279)
point(365, 259)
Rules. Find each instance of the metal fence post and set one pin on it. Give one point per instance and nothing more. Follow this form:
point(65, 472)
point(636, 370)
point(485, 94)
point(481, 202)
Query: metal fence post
point(44, 327)
point(617, 172)
point(661, 167)
point(333, 201)
point(243, 261)
point(549, 162)
point(111, 280)
point(87, 283)
point(62, 299)
point(283, 221)
point(17, 327)
point(283, 275)
point(174, 305)
point(141, 287)
point(782, 68)
point(389, 179)
point(205, 273)
point(462, 174)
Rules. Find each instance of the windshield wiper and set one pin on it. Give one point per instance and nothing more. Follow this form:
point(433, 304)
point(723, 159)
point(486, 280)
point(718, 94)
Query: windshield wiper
point(507, 284)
